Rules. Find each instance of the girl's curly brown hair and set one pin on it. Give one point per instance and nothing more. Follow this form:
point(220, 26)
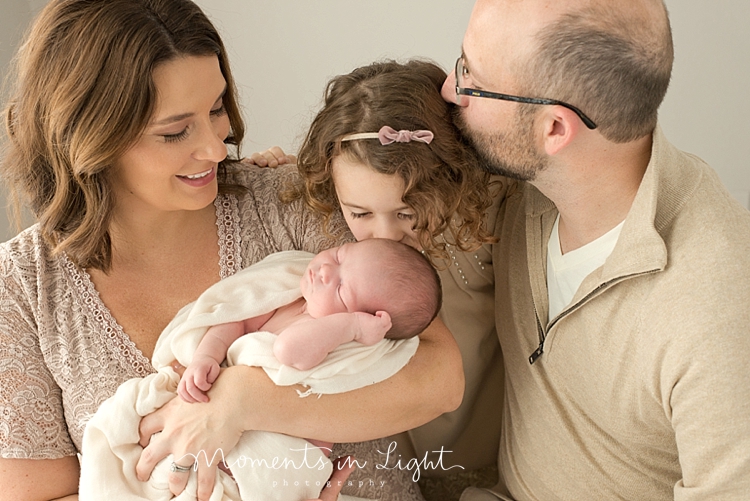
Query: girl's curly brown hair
point(442, 181)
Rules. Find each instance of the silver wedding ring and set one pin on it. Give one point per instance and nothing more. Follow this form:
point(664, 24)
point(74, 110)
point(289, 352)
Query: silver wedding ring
point(175, 468)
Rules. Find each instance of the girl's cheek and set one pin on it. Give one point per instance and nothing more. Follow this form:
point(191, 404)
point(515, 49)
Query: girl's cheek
point(357, 230)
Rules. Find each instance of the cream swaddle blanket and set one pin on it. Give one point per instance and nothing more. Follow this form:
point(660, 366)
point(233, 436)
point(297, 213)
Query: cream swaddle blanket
point(266, 466)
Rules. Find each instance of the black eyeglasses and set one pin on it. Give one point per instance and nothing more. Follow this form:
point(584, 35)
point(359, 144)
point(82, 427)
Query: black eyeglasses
point(460, 90)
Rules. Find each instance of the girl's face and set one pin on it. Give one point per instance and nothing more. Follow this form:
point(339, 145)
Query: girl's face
point(372, 202)
point(173, 164)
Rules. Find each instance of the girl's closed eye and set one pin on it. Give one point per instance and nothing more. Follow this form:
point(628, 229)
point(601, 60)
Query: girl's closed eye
point(407, 216)
point(357, 215)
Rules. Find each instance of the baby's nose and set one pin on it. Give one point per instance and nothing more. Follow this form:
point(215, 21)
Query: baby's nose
point(326, 273)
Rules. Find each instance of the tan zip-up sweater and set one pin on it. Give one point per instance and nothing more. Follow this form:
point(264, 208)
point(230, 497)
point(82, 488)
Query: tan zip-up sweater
point(642, 391)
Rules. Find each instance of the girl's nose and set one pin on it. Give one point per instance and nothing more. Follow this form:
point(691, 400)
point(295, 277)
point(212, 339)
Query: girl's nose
point(389, 231)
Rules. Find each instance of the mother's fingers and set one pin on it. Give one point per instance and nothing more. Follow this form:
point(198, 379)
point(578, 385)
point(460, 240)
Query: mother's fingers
point(151, 454)
point(177, 367)
point(206, 480)
point(178, 480)
point(151, 424)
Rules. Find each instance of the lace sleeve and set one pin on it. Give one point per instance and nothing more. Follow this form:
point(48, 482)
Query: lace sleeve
point(307, 225)
point(378, 476)
point(271, 225)
point(32, 423)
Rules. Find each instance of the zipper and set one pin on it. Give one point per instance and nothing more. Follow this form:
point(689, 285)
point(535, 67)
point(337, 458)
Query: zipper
point(543, 335)
point(540, 349)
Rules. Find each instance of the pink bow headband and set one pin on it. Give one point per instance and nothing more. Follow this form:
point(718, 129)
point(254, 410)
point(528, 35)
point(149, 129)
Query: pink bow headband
point(388, 135)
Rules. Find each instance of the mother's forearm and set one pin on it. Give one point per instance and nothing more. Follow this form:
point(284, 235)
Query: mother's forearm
point(430, 384)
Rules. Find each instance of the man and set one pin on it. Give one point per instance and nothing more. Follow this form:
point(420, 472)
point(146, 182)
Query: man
point(622, 268)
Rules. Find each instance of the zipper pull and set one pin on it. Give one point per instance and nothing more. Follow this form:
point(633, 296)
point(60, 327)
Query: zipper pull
point(537, 353)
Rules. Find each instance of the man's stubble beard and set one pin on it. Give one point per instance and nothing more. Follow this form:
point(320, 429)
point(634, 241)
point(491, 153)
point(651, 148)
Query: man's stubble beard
point(511, 154)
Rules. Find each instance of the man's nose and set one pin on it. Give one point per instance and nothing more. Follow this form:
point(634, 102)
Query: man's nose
point(448, 91)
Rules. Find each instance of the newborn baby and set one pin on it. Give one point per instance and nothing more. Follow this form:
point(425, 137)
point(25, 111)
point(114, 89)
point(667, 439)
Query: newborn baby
point(361, 291)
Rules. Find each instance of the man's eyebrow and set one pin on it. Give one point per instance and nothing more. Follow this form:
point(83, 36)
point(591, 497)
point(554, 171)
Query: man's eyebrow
point(468, 66)
point(183, 116)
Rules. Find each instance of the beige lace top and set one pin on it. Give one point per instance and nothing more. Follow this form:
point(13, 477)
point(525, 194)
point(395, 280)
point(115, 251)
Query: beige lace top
point(61, 351)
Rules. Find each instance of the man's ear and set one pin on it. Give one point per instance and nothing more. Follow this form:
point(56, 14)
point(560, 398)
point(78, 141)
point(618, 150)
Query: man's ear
point(561, 126)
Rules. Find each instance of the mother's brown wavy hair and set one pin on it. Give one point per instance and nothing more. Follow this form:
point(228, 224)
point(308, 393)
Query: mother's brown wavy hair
point(84, 94)
point(442, 181)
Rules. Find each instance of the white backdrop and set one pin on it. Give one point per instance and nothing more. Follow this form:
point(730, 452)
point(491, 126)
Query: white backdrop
point(284, 51)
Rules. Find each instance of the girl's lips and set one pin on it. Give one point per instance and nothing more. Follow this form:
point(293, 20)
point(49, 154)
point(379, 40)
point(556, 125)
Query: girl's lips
point(199, 179)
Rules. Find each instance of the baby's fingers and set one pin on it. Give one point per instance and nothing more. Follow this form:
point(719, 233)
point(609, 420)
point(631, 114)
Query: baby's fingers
point(213, 373)
point(183, 392)
point(195, 393)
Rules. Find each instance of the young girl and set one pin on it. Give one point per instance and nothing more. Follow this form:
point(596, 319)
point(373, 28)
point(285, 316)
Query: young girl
point(384, 152)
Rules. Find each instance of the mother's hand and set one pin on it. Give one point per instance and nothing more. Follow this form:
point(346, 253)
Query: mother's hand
point(197, 432)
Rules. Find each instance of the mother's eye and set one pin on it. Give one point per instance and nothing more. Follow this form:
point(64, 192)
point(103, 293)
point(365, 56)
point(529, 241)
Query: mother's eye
point(173, 138)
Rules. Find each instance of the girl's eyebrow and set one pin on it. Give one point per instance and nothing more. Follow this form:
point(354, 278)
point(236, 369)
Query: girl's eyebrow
point(183, 116)
point(355, 206)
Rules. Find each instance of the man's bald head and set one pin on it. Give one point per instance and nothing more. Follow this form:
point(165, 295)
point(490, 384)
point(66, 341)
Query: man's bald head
point(613, 60)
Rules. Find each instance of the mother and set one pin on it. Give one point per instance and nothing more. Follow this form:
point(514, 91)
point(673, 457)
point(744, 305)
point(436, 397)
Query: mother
point(118, 133)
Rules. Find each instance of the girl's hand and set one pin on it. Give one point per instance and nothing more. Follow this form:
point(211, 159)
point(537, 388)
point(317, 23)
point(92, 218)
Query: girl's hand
point(272, 157)
point(200, 432)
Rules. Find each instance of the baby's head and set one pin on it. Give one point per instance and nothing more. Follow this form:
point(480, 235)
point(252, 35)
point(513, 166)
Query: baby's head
point(438, 178)
point(374, 275)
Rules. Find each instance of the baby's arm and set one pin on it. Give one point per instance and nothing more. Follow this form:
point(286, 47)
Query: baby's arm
point(305, 344)
point(212, 350)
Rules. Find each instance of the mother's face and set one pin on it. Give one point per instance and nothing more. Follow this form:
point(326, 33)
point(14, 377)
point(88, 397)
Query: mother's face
point(173, 165)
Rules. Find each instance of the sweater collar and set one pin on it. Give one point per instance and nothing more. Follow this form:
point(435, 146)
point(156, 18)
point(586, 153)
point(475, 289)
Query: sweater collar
point(665, 187)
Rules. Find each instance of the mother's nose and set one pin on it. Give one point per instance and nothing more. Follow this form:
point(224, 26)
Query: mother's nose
point(212, 146)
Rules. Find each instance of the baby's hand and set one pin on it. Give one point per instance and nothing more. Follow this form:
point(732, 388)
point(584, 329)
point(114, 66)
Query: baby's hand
point(197, 379)
point(372, 328)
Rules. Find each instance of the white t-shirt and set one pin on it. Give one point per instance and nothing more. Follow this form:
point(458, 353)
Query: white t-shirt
point(565, 272)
